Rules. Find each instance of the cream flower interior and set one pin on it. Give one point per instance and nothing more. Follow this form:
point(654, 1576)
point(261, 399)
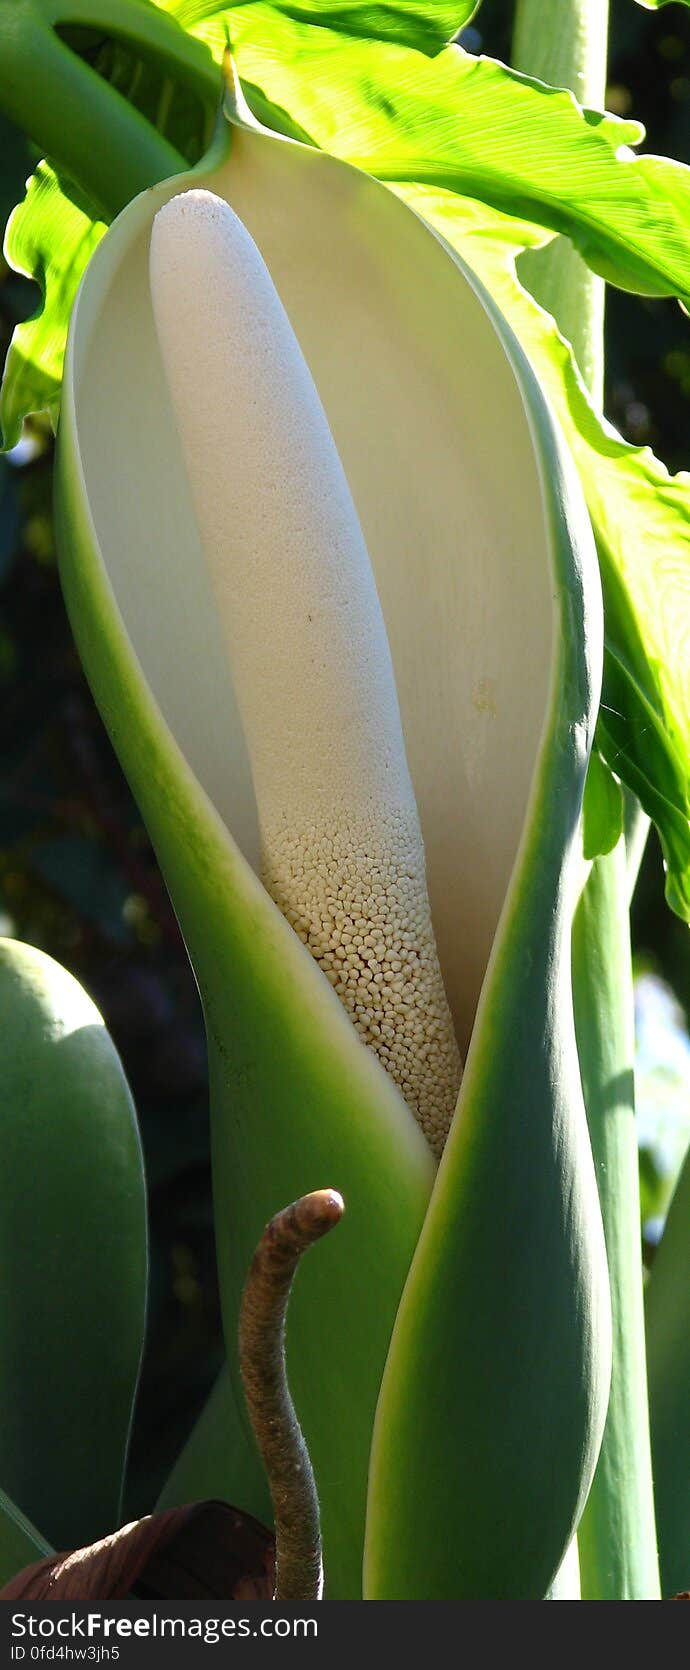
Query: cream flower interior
point(431, 431)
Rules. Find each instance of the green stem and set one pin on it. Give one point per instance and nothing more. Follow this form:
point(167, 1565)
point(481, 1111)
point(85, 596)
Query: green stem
point(565, 44)
point(151, 32)
point(71, 113)
point(668, 1346)
point(616, 1537)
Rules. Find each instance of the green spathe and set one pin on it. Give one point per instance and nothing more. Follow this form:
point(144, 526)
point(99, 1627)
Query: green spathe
point(423, 389)
point(503, 1333)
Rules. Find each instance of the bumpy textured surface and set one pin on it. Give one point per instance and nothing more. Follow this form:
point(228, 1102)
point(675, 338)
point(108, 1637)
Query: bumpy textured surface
point(290, 572)
point(355, 893)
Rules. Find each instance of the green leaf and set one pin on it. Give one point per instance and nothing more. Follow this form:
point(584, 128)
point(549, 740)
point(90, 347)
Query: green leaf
point(602, 810)
point(668, 1354)
point(51, 237)
point(425, 25)
point(641, 519)
point(74, 1258)
point(455, 121)
point(472, 126)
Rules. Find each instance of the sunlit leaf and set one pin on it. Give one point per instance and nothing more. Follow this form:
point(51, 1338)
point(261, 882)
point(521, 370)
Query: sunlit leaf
point(51, 237)
point(472, 126)
point(602, 810)
point(425, 25)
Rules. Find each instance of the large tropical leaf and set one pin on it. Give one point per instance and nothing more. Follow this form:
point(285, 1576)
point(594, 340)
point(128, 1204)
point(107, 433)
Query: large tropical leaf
point(50, 237)
point(472, 126)
point(425, 25)
point(458, 122)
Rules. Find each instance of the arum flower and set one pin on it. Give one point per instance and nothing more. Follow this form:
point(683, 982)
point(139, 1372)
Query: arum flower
point(341, 847)
point(455, 681)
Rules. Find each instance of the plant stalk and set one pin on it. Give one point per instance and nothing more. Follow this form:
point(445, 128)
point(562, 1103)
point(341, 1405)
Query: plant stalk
point(616, 1537)
point(130, 154)
point(565, 44)
point(668, 1350)
point(299, 1569)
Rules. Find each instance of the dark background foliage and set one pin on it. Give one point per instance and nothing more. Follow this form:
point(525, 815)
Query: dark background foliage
point(77, 875)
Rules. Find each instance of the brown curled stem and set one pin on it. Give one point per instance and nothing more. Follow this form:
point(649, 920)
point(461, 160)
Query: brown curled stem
point(299, 1568)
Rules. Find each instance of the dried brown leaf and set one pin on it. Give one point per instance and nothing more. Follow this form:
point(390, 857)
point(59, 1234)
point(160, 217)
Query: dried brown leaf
point(206, 1550)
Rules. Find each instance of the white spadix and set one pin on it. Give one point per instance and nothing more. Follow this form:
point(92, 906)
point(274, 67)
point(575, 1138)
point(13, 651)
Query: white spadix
point(342, 851)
